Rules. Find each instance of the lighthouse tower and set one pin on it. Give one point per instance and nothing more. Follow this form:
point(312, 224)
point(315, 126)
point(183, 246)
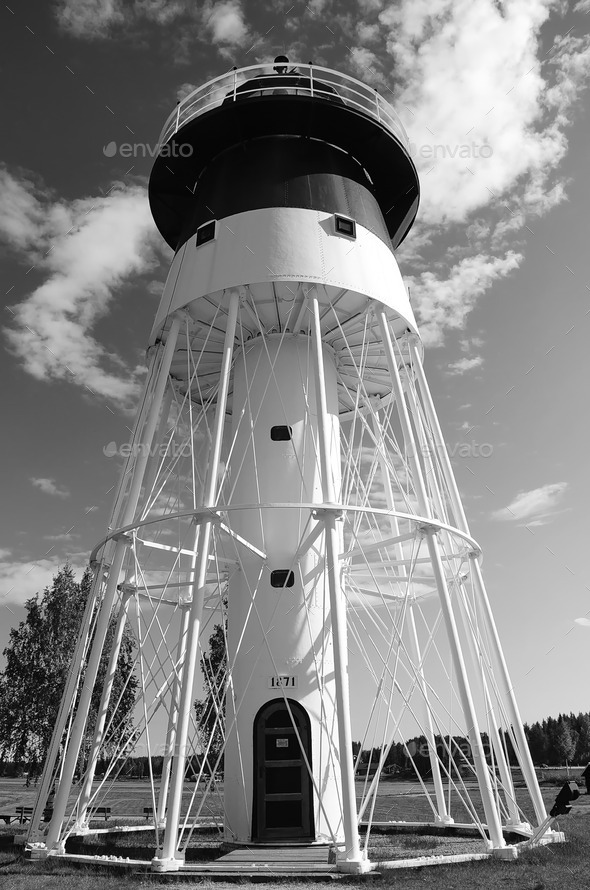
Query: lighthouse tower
point(287, 492)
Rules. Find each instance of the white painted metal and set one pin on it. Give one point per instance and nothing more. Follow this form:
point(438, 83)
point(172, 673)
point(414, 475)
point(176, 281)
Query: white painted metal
point(280, 631)
point(285, 244)
point(49, 775)
point(491, 812)
point(168, 860)
point(352, 853)
point(522, 749)
point(75, 740)
point(99, 730)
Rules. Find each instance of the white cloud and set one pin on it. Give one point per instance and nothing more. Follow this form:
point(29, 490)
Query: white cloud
point(184, 90)
point(97, 19)
point(535, 507)
point(22, 579)
point(472, 78)
point(469, 343)
point(49, 486)
point(464, 365)
point(366, 65)
point(444, 300)
point(89, 18)
point(161, 12)
point(84, 249)
point(225, 22)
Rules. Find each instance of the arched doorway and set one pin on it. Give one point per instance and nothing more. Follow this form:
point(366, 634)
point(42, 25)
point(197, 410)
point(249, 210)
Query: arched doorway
point(283, 802)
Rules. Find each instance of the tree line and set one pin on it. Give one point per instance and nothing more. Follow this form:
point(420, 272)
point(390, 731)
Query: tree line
point(561, 740)
point(553, 741)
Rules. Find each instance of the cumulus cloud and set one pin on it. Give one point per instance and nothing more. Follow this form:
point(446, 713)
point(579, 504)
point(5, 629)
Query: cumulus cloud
point(49, 486)
point(472, 77)
point(184, 90)
point(84, 250)
point(226, 23)
point(89, 18)
point(464, 365)
point(535, 507)
point(487, 110)
point(97, 19)
point(444, 299)
point(21, 579)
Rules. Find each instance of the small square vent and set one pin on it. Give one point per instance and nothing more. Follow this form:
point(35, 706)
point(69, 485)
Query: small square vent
point(281, 433)
point(206, 232)
point(282, 578)
point(345, 226)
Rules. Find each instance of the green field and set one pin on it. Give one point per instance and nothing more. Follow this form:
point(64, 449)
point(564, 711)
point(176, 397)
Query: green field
point(560, 866)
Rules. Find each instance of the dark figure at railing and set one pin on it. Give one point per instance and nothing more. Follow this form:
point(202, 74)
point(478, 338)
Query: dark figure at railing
point(284, 83)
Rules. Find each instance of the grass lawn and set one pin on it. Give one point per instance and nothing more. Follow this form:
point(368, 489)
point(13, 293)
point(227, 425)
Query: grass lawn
point(555, 866)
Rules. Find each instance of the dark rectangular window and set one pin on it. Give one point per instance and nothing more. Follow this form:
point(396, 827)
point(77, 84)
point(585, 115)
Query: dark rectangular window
point(345, 226)
point(282, 578)
point(281, 433)
point(206, 233)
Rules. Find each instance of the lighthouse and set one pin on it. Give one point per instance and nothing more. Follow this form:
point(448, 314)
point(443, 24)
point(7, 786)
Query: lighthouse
point(287, 483)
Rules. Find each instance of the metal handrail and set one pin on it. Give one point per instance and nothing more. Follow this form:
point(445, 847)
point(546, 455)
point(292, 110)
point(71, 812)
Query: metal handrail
point(340, 88)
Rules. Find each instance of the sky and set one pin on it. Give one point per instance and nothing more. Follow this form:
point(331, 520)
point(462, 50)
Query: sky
point(494, 97)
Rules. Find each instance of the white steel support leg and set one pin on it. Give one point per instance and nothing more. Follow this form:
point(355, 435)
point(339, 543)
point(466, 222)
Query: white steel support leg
point(521, 748)
point(413, 643)
point(474, 652)
point(128, 468)
point(169, 859)
point(102, 624)
point(522, 752)
point(35, 835)
point(151, 472)
point(489, 805)
point(353, 858)
point(103, 707)
point(416, 656)
point(172, 717)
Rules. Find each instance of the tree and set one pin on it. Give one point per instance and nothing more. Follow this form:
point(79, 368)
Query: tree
point(563, 742)
point(582, 753)
point(537, 742)
point(210, 711)
point(38, 658)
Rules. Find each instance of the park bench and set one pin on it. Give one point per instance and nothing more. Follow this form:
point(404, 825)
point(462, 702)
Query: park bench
point(24, 814)
point(7, 817)
point(148, 812)
point(100, 811)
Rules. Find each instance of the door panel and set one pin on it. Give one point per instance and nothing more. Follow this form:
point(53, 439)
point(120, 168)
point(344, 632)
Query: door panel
point(283, 803)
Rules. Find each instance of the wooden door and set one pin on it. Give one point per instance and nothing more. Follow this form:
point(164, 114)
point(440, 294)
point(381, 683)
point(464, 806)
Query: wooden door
point(283, 802)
